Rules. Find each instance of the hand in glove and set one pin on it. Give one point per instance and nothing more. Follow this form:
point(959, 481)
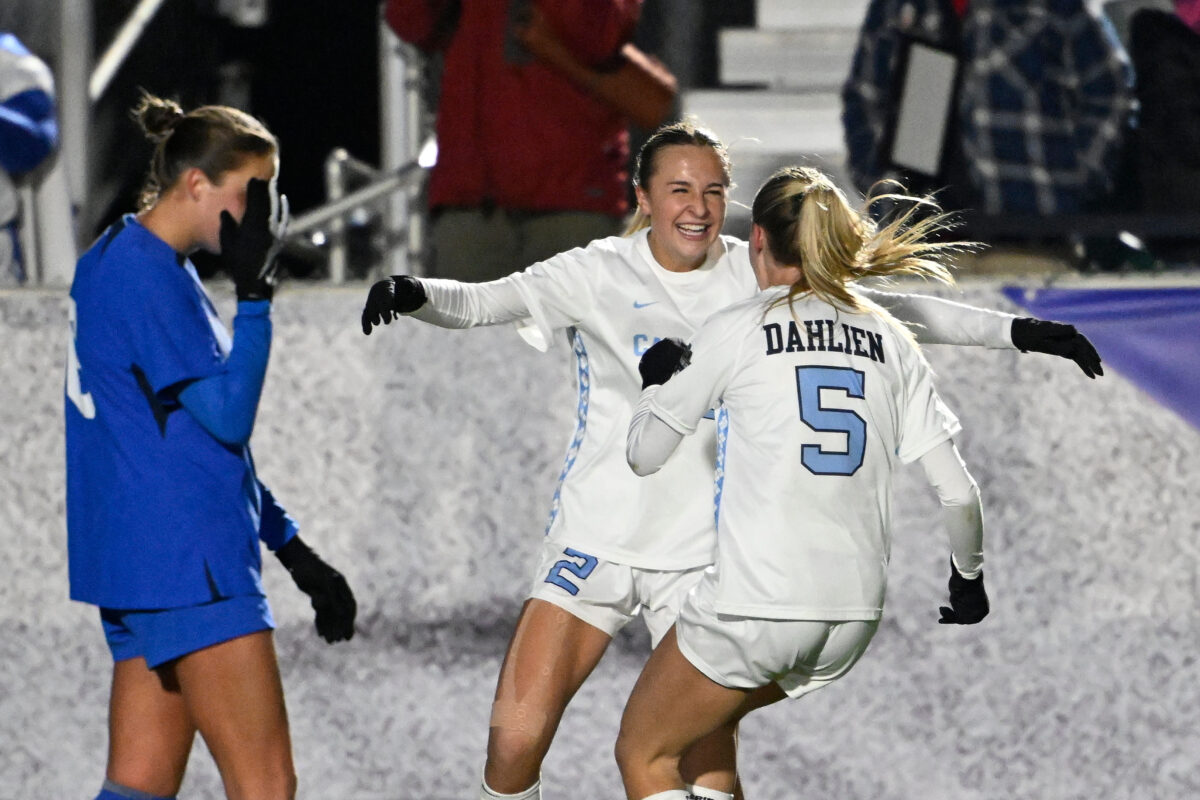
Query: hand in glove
point(968, 600)
point(662, 360)
point(1057, 339)
point(249, 248)
point(331, 596)
point(391, 297)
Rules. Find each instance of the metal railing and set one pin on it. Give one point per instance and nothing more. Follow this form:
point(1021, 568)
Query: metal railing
point(393, 189)
point(326, 225)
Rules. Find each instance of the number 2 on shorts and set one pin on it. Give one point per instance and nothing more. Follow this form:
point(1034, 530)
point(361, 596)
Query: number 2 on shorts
point(580, 569)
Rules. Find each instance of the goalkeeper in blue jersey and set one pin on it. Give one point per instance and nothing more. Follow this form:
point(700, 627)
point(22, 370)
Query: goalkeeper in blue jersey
point(164, 509)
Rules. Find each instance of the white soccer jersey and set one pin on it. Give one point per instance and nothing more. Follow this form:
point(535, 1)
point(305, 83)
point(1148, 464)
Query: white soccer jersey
point(822, 405)
point(619, 301)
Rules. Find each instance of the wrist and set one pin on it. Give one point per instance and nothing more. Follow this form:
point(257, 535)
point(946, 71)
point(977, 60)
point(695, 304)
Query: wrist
point(975, 570)
point(292, 552)
point(1021, 333)
point(408, 294)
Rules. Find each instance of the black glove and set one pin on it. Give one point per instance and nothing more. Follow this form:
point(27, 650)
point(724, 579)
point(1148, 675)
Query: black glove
point(391, 297)
point(248, 249)
point(1057, 339)
point(968, 600)
point(331, 596)
point(664, 359)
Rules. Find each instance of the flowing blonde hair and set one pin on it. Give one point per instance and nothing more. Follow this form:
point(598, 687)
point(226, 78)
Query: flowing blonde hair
point(809, 223)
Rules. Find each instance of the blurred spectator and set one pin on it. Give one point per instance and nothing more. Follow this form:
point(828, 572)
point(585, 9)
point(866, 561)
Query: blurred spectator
point(533, 145)
point(1166, 54)
point(1045, 97)
point(28, 135)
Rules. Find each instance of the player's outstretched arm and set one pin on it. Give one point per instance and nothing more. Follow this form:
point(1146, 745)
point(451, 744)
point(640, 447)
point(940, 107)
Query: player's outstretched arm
point(1057, 339)
point(937, 321)
point(331, 596)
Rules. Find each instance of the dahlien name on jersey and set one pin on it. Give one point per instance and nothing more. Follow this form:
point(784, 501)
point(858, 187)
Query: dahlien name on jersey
point(823, 335)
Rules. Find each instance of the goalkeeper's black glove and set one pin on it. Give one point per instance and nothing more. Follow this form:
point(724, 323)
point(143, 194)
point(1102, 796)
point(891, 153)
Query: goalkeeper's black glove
point(331, 596)
point(391, 297)
point(1057, 339)
point(662, 360)
point(968, 600)
point(249, 248)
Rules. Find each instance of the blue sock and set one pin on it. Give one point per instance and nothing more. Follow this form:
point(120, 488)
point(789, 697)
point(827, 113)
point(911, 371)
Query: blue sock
point(115, 791)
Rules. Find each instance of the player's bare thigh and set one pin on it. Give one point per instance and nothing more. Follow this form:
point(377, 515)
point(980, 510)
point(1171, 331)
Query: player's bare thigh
point(673, 706)
point(150, 731)
point(551, 654)
point(234, 695)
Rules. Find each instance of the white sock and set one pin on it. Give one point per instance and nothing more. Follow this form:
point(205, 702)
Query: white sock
point(704, 793)
point(532, 793)
point(670, 794)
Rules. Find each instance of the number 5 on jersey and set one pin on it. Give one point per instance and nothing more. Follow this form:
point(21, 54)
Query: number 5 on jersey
point(810, 382)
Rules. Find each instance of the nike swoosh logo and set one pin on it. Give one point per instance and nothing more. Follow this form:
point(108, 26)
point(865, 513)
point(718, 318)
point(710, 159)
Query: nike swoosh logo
point(636, 304)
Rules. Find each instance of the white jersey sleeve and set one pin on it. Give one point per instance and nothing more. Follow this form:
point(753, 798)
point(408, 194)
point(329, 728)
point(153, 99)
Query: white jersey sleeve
point(926, 421)
point(650, 441)
point(936, 321)
point(559, 292)
point(451, 304)
point(962, 509)
point(547, 296)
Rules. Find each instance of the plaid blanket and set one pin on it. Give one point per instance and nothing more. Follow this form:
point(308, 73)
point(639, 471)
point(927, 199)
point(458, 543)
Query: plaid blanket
point(1045, 97)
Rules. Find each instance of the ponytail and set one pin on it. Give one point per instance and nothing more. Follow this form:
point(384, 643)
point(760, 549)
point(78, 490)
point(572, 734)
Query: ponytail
point(809, 223)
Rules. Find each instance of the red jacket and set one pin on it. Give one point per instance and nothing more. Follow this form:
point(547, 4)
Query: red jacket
point(520, 135)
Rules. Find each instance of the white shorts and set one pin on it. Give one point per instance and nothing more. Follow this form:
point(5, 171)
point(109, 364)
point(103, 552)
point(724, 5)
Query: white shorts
point(608, 595)
point(748, 652)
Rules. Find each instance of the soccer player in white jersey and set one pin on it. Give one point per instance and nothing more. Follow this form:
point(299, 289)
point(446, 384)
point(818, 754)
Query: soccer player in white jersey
point(822, 395)
point(616, 545)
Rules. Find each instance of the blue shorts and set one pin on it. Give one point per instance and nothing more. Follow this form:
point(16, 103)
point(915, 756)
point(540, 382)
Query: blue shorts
point(161, 635)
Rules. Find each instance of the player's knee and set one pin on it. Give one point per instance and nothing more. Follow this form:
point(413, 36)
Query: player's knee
point(514, 761)
point(276, 782)
point(625, 751)
point(283, 783)
point(518, 733)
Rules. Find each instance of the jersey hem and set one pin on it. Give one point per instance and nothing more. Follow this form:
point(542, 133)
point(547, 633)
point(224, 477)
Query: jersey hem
point(628, 559)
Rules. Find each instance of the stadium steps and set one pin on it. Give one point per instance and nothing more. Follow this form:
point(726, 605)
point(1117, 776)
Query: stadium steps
point(778, 100)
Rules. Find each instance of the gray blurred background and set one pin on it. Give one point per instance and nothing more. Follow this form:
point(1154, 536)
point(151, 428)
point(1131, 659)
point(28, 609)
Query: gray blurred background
point(421, 463)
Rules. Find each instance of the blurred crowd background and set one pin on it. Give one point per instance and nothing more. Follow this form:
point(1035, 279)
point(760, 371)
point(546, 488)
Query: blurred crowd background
point(1069, 133)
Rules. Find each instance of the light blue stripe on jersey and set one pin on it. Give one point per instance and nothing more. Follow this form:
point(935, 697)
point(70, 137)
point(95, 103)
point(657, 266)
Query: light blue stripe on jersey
point(719, 483)
point(585, 386)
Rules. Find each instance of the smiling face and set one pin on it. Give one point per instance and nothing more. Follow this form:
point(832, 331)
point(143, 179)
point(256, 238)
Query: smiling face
point(685, 201)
